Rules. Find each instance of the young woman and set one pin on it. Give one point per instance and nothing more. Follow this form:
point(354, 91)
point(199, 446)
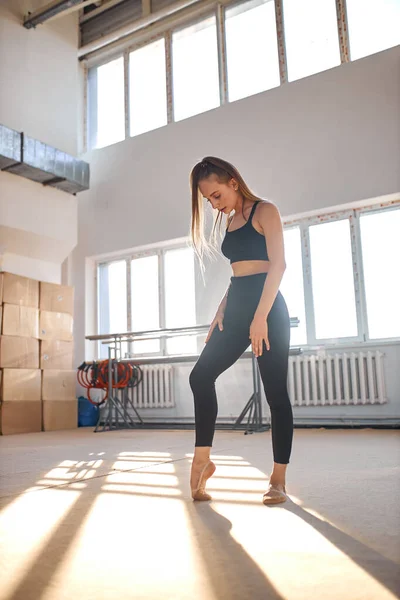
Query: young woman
point(252, 309)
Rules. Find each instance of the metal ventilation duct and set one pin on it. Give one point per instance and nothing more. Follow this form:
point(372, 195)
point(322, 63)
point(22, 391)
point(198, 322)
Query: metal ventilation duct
point(10, 147)
point(29, 158)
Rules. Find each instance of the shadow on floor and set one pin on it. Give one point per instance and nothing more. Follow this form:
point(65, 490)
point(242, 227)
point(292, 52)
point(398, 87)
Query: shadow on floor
point(232, 573)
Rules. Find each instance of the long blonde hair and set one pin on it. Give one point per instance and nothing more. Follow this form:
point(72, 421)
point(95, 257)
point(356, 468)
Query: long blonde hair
point(224, 171)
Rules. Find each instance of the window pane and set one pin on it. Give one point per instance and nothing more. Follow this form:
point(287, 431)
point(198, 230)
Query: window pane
point(195, 69)
point(292, 286)
point(252, 50)
point(311, 36)
point(380, 248)
point(110, 103)
point(180, 306)
point(147, 88)
point(374, 25)
point(112, 302)
point(332, 280)
point(145, 301)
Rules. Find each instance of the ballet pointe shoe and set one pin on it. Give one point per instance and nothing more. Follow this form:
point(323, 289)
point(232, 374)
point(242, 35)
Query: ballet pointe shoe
point(275, 495)
point(199, 493)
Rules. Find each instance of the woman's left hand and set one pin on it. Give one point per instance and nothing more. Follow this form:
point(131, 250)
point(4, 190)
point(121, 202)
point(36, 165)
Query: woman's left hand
point(259, 334)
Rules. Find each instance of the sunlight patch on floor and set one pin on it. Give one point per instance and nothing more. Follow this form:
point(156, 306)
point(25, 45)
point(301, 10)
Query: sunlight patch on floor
point(26, 525)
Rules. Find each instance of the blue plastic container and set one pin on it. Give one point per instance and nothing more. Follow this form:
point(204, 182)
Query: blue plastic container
point(88, 413)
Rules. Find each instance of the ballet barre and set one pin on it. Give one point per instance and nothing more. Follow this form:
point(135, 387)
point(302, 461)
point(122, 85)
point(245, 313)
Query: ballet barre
point(117, 405)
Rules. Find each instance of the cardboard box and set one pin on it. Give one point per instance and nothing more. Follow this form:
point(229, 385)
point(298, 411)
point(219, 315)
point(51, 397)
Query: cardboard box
point(56, 298)
point(20, 290)
point(19, 352)
point(21, 385)
point(20, 417)
point(58, 385)
point(55, 326)
point(55, 354)
point(1, 288)
point(20, 321)
point(60, 415)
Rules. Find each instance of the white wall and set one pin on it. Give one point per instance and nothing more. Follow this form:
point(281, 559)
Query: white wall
point(321, 141)
point(39, 75)
point(39, 92)
point(42, 270)
point(48, 218)
point(324, 141)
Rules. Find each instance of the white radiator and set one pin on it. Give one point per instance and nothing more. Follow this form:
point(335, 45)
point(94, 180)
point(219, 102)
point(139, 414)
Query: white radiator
point(156, 387)
point(336, 379)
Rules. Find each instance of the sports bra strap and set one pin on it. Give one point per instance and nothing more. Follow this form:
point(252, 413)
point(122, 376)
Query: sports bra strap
point(253, 211)
point(248, 220)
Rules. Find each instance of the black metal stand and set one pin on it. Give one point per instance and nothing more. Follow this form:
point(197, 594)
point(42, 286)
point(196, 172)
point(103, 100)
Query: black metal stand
point(253, 406)
point(117, 402)
point(117, 407)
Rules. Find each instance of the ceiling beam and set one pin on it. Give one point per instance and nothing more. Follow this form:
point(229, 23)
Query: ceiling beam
point(59, 8)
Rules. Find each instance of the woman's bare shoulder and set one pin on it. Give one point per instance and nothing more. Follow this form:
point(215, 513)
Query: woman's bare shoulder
point(266, 214)
point(266, 206)
point(265, 201)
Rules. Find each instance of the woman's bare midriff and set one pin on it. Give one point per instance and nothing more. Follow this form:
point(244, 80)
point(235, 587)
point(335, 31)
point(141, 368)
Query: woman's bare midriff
point(249, 267)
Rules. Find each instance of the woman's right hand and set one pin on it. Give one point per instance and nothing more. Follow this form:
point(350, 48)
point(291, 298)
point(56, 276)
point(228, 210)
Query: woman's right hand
point(218, 320)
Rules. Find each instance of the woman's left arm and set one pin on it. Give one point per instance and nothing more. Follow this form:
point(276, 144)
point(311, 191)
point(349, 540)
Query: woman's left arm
point(269, 218)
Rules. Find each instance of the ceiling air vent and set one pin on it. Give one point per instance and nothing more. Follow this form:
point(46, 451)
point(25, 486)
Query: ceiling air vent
point(10, 147)
point(32, 159)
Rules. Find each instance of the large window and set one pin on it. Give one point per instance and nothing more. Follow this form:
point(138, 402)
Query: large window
point(311, 36)
point(374, 25)
point(145, 301)
point(333, 280)
point(292, 286)
point(147, 88)
point(160, 293)
point(112, 295)
point(195, 72)
point(339, 278)
point(180, 303)
point(380, 255)
point(232, 53)
point(106, 104)
point(251, 47)
point(339, 282)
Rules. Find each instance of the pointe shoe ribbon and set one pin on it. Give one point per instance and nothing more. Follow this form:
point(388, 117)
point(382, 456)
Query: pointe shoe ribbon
point(199, 493)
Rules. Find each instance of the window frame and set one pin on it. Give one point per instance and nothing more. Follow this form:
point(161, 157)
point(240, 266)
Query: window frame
point(221, 67)
point(342, 38)
point(128, 257)
point(303, 224)
point(311, 330)
point(349, 29)
point(165, 30)
point(90, 100)
point(358, 275)
point(366, 211)
point(127, 53)
point(280, 46)
point(299, 225)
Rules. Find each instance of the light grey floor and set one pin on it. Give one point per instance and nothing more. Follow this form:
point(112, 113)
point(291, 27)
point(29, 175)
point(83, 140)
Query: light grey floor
point(109, 516)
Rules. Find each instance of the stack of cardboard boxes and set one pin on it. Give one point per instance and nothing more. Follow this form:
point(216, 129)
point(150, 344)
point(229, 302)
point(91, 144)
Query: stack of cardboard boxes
point(37, 386)
point(60, 408)
point(20, 389)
